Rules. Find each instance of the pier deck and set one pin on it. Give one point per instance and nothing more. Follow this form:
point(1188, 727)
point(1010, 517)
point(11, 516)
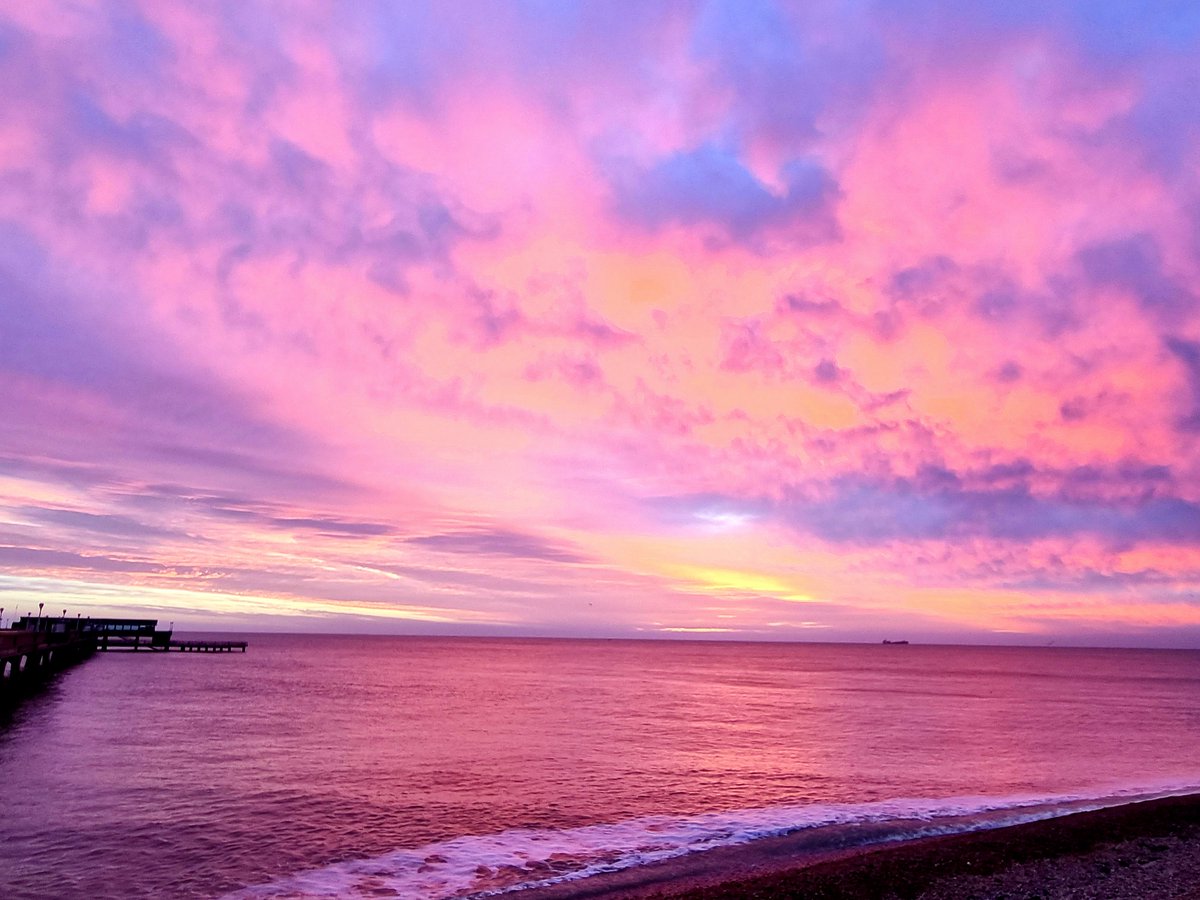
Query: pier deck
point(207, 646)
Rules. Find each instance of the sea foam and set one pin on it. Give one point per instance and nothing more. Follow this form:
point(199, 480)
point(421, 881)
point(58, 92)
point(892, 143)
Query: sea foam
point(476, 866)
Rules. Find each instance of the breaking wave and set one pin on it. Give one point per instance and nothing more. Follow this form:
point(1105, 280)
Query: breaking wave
point(476, 866)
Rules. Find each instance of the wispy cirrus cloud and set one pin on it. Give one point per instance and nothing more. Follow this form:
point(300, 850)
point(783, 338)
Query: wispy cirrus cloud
point(497, 542)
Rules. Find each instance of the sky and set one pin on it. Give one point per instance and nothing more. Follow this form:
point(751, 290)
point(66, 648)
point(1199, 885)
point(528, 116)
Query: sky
point(838, 320)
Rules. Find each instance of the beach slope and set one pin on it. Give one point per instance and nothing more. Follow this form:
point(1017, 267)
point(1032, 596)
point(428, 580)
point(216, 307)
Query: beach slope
point(1149, 849)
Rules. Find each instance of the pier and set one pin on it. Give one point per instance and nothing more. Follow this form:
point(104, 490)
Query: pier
point(207, 646)
point(33, 648)
point(28, 658)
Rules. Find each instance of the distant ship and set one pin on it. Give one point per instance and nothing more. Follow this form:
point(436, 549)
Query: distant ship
point(886, 641)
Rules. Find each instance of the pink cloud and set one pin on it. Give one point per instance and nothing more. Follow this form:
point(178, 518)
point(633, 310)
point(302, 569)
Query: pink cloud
point(713, 318)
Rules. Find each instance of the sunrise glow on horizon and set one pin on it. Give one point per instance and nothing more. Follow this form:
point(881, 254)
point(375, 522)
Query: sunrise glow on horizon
point(794, 321)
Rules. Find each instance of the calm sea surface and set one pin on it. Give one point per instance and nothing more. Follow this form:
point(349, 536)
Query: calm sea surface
point(354, 766)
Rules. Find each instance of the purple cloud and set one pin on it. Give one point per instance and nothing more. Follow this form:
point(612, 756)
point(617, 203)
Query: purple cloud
point(106, 524)
point(793, 73)
point(1135, 264)
point(37, 558)
point(710, 186)
point(870, 512)
point(827, 372)
point(797, 303)
point(1188, 353)
point(498, 542)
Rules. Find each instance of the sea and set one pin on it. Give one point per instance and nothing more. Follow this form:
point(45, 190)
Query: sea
point(355, 766)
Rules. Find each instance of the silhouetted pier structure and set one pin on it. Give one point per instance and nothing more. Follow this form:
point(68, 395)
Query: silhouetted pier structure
point(122, 634)
point(27, 658)
point(208, 646)
point(34, 647)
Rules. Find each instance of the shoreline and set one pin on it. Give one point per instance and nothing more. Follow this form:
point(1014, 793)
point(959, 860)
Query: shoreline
point(1146, 848)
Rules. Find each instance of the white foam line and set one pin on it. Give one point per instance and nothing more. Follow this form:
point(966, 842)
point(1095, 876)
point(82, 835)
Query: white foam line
point(476, 866)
